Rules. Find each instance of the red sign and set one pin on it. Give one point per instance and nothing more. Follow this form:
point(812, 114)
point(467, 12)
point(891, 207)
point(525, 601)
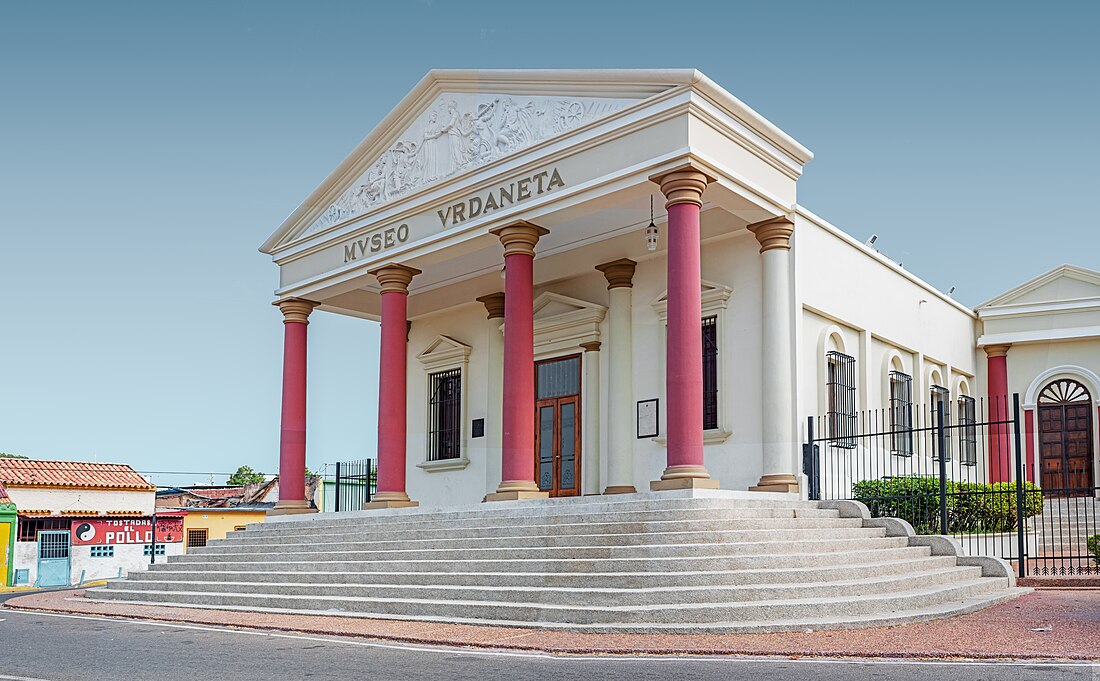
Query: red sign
point(126, 531)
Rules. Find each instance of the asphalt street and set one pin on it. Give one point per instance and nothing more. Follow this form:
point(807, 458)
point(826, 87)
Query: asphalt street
point(45, 647)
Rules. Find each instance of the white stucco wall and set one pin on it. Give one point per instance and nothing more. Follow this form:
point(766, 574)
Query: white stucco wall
point(128, 557)
point(58, 499)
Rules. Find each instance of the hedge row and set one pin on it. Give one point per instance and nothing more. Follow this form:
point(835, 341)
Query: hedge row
point(971, 506)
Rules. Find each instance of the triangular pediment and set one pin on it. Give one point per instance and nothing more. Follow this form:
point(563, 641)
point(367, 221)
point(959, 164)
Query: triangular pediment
point(444, 350)
point(458, 121)
point(548, 305)
point(1063, 283)
point(712, 295)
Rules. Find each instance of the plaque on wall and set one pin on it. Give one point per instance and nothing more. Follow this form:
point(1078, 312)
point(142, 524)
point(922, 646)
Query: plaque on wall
point(647, 418)
point(478, 428)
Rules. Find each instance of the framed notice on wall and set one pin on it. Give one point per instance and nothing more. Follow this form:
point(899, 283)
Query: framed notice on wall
point(647, 418)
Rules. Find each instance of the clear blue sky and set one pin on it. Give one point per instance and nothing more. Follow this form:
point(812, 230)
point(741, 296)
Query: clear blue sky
point(148, 148)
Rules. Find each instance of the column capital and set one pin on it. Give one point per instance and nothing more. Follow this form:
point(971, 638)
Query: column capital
point(591, 346)
point(773, 233)
point(996, 350)
point(519, 237)
point(394, 278)
point(494, 305)
point(295, 309)
point(619, 273)
point(683, 185)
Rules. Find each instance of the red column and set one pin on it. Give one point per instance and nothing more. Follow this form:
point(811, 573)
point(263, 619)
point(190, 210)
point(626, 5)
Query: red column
point(1029, 439)
point(518, 438)
point(1001, 467)
point(292, 436)
point(392, 380)
point(683, 189)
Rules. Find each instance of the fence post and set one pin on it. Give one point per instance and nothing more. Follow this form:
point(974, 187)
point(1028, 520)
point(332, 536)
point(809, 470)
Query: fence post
point(941, 449)
point(1021, 544)
point(336, 492)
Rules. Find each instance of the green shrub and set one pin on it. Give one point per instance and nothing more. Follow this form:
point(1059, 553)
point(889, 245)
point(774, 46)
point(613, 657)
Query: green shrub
point(971, 506)
point(1094, 547)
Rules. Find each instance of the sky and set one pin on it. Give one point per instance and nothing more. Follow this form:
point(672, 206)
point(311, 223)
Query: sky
point(147, 149)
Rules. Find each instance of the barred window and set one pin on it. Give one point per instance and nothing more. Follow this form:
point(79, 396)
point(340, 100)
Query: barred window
point(103, 552)
point(841, 396)
point(941, 395)
point(149, 549)
point(30, 527)
point(196, 538)
point(445, 415)
point(901, 414)
point(710, 373)
point(968, 431)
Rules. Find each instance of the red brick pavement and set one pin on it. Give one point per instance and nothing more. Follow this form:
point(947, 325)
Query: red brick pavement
point(1047, 624)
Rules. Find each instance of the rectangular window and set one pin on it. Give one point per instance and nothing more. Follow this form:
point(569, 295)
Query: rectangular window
point(968, 431)
point(941, 395)
point(103, 552)
point(148, 549)
point(710, 373)
point(901, 414)
point(196, 538)
point(840, 387)
point(445, 415)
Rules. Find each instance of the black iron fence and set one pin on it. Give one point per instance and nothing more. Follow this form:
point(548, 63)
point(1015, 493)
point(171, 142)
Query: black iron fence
point(960, 474)
point(356, 483)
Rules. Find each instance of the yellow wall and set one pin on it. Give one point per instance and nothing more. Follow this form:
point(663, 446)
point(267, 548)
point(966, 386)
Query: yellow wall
point(217, 523)
point(5, 537)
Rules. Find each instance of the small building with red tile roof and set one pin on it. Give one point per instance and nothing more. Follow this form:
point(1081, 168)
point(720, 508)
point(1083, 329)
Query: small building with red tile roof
point(83, 520)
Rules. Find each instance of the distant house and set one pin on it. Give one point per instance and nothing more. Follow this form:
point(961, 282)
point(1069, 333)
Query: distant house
point(80, 521)
point(213, 511)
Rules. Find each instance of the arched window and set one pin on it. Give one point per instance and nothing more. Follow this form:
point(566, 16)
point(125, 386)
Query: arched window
point(968, 428)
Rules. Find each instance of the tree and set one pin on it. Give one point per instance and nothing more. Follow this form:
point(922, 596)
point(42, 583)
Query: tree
point(244, 476)
point(5, 455)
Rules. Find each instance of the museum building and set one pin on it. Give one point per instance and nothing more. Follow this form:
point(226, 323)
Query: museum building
point(601, 281)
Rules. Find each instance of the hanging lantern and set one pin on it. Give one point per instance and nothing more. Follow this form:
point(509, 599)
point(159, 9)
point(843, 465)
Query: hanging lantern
point(651, 233)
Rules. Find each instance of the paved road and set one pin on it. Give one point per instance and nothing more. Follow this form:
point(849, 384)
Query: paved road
point(41, 647)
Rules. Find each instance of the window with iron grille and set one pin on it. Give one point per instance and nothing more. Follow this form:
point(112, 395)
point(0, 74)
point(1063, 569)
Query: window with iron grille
point(196, 538)
point(445, 415)
point(840, 388)
point(941, 395)
point(149, 549)
point(901, 414)
point(103, 552)
point(968, 431)
point(710, 373)
point(30, 527)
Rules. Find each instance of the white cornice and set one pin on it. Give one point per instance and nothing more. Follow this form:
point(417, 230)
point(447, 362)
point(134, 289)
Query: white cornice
point(1040, 336)
point(1009, 311)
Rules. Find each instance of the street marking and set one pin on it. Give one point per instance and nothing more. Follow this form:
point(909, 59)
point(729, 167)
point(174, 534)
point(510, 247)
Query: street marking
point(19, 678)
point(778, 658)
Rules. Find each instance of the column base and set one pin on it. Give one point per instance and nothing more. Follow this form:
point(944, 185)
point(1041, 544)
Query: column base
point(776, 483)
point(515, 495)
point(291, 507)
point(620, 489)
point(389, 500)
point(684, 477)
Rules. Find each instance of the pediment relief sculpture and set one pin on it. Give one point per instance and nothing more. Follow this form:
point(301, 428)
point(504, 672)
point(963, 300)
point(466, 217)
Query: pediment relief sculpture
point(459, 132)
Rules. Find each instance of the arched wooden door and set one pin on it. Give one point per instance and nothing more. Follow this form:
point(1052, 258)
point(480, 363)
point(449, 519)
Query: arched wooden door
point(1065, 438)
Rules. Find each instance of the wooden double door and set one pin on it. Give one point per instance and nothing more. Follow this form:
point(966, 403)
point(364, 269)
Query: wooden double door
point(558, 426)
point(1065, 439)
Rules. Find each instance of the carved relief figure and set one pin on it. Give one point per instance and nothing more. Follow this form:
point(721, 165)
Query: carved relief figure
point(460, 132)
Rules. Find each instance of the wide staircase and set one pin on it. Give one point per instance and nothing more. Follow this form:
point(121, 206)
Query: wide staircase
point(676, 562)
